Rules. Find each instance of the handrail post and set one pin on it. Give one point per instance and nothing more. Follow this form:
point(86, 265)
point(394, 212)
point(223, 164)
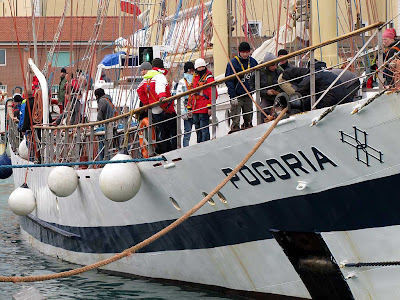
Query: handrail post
point(91, 142)
point(51, 145)
point(312, 77)
point(214, 111)
point(149, 135)
point(380, 60)
point(78, 144)
point(258, 95)
point(58, 145)
point(43, 144)
point(106, 141)
point(179, 121)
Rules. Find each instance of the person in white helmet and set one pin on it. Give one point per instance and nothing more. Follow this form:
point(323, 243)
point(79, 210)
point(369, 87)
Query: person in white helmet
point(200, 102)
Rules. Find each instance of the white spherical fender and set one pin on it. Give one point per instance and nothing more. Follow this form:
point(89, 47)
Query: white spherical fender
point(22, 201)
point(120, 182)
point(23, 150)
point(62, 181)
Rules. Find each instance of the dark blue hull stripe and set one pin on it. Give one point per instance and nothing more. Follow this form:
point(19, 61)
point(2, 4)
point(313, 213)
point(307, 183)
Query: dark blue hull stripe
point(368, 204)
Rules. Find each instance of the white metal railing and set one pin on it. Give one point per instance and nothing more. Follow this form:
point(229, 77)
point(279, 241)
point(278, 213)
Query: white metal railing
point(101, 140)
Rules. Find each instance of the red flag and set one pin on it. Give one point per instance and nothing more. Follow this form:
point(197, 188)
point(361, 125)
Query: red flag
point(130, 7)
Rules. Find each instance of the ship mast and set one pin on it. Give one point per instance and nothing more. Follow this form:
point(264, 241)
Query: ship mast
point(220, 12)
point(324, 11)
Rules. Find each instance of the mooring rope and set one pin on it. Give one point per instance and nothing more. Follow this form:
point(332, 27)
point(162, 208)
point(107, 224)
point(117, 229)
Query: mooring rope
point(156, 236)
point(87, 163)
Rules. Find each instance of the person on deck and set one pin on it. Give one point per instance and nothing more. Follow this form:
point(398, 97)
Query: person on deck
point(392, 47)
point(35, 84)
point(105, 107)
point(350, 81)
point(72, 109)
point(158, 89)
point(269, 84)
point(240, 101)
point(142, 89)
point(290, 79)
point(14, 107)
point(185, 84)
point(323, 79)
point(284, 64)
point(21, 115)
point(200, 102)
point(62, 87)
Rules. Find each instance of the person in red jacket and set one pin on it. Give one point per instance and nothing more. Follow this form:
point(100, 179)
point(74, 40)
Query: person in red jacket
point(156, 88)
point(200, 102)
point(142, 88)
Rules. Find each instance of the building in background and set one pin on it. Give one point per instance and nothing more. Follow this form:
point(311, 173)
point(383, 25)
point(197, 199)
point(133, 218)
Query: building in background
point(11, 73)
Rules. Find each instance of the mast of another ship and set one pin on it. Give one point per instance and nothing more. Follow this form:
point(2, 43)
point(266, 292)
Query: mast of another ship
point(221, 11)
point(323, 13)
point(34, 8)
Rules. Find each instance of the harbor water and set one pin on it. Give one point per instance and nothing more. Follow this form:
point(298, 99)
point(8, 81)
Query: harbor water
point(17, 259)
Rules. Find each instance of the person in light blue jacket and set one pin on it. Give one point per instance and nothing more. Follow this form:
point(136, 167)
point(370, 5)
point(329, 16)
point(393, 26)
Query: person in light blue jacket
point(183, 85)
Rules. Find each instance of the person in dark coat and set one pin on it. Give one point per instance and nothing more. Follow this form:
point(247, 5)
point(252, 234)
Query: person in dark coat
point(105, 107)
point(323, 80)
point(291, 78)
point(350, 81)
point(240, 101)
point(62, 87)
point(284, 64)
point(268, 83)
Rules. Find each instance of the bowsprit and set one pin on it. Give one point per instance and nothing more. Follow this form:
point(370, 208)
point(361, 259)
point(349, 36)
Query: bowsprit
point(272, 169)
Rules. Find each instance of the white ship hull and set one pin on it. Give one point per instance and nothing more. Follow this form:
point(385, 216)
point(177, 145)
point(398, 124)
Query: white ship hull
point(246, 244)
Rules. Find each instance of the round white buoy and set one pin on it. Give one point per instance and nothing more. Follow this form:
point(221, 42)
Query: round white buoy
point(62, 181)
point(22, 201)
point(120, 182)
point(23, 150)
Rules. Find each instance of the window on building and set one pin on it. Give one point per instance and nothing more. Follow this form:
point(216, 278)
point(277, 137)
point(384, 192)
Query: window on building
point(253, 28)
point(61, 59)
point(2, 57)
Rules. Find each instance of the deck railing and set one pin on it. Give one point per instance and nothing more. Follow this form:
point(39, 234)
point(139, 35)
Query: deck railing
point(101, 140)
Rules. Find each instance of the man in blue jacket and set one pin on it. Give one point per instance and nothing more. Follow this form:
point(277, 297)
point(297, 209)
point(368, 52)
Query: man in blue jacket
point(240, 101)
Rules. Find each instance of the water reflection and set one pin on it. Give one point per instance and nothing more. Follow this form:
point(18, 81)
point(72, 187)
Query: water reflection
point(17, 259)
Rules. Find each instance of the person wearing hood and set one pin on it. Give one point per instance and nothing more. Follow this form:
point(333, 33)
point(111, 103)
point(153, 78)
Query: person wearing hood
point(323, 79)
point(157, 89)
point(268, 83)
point(185, 84)
point(200, 102)
point(105, 107)
point(240, 101)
